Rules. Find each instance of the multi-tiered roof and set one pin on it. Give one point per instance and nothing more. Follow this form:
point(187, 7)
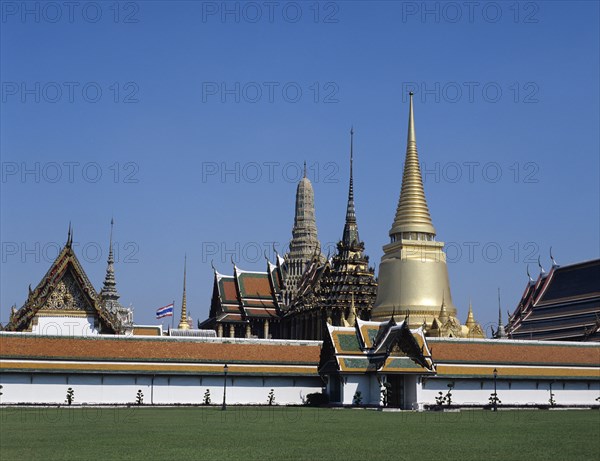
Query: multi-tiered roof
point(562, 304)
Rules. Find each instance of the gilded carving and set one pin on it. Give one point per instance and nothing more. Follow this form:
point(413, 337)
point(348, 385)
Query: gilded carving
point(67, 296)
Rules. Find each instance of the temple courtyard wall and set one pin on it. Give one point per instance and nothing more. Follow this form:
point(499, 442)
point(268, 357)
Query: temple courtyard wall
point(110, 369)
point(92, 389)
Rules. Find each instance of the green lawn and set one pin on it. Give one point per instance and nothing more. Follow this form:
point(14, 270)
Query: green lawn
point(280, 433)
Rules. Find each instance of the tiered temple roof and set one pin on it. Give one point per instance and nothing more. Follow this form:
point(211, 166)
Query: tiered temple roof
point(245, 298)
point(562, 304)
point(376, 347)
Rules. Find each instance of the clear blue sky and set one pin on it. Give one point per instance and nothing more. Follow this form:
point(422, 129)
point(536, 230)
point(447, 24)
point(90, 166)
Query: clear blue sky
point(507, 118)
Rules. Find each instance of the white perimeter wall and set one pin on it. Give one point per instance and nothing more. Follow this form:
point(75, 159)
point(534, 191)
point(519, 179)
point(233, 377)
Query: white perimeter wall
point(367, 385)
point(515, 392)
point(122, 389)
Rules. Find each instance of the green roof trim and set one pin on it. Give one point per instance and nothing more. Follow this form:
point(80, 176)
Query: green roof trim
point(401, 362)
point(348, 342)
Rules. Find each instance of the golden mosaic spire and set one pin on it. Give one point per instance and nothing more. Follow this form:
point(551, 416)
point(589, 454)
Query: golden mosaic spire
point(412, 214)
point(443, 311)
point(183, 323)
point(470, 323)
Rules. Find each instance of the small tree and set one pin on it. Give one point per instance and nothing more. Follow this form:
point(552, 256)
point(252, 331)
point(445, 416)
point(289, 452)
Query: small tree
point(449, 394)
point(271, 397)
point(206, 400)
point(70, 395)
point(386, 393)
point(551, 400)
point(494, 400)
point(139, 398)
point(442, 399)
point(357, 399)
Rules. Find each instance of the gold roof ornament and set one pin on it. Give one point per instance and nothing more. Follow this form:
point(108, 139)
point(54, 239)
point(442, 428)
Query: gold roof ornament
point(470, 323)
point(443, 312)
point(183, 323)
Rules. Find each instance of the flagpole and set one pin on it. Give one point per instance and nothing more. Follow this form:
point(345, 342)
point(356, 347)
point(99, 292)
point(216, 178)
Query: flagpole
point(173, 317)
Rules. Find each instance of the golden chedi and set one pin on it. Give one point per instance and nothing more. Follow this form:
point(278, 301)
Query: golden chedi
point(413, 276)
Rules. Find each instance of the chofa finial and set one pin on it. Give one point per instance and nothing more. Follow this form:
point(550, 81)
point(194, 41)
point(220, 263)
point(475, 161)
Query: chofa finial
point(554, 263)
point(542, 271)
point(70, 236)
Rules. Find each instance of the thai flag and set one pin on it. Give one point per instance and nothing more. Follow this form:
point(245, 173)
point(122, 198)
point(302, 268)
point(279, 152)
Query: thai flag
point(165, 311)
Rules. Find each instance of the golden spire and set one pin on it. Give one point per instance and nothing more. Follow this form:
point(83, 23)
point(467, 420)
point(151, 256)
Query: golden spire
point(183, 323)
point(412, 214)
point(443, 312)
point(470, 317)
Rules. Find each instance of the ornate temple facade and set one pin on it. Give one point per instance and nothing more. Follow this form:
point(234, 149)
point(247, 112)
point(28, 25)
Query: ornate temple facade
point(413, 276)
point(339, 290)
point(66, 303)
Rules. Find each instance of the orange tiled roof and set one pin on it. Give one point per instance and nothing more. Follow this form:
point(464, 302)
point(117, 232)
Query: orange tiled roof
point(229, 289)
point(525, 353)
point(119, 348)
point(256, 287)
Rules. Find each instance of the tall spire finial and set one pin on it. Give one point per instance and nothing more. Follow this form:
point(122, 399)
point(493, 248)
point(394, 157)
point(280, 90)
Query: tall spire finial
point(412, 215)
point(351, 149)
point(111, 258)
point(183, 323)
point(305, 168)
point(411, 137)
point(109, 289)
point(350, 235)
point(500, 333)
point(69, 236)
